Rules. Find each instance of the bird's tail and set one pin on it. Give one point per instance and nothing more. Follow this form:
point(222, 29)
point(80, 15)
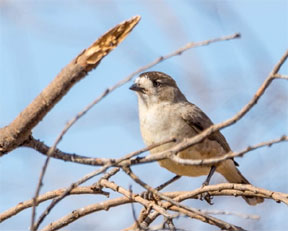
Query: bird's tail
point(233, 175)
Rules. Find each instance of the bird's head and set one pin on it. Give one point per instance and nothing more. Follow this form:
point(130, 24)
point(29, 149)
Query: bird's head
point(156, 87)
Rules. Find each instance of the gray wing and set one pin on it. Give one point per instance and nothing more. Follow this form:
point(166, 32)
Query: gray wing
point(199, 121)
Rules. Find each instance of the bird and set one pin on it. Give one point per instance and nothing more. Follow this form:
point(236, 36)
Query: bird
point(165, 113)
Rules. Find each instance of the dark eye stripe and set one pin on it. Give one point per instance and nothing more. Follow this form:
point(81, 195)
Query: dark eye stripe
point(156, 83)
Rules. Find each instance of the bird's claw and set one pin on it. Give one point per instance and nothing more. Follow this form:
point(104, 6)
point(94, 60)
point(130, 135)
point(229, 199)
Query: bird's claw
point(207, 197)
point(147, 195)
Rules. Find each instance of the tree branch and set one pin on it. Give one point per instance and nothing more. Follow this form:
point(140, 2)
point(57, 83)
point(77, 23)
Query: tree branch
point(193, 213)
point(233, 190)
point(78, 213)
point(227, 156)
point(227, 189)
point(279, 76)
point(167, 154)
point(42, 148)
point(48, 196)
point(90, 175)
point(19, 130)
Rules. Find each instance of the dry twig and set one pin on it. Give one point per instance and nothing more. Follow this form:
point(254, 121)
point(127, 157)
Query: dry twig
point(193, 213)
point(211, 161)
point(242, 215)
point(78, 213)
point(227, 189)
point(48, 196)
point(129, 198)
point(214, 190)
point(92, 174)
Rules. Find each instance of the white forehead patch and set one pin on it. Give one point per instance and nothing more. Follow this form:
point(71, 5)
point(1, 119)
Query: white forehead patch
point(143, 80)
point(137, 80)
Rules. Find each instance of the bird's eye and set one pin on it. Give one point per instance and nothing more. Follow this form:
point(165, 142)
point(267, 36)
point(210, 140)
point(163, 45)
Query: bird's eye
point(156, 83)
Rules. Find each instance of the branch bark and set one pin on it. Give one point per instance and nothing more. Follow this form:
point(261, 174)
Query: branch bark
point(225, 189)
point(89, 176)
point(17, 132)
point(193, 213)
point(48, 196)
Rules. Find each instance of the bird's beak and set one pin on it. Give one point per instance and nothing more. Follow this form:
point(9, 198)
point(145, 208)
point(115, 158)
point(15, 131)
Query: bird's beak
point(135, 87)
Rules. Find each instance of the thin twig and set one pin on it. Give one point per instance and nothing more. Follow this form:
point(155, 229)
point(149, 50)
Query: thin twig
point(231, 189)
point(38, 145)
point(133, 209)
point(230, 154)
point(92, 174)
point(279, 76)
point(135, 197)
point(167, 154)
point(78, 213)
point(227, 189)
point(192, 212)
point(242, 215)
point(238, 190)
point(42, 148)
point(145, 211)
point(48, 196)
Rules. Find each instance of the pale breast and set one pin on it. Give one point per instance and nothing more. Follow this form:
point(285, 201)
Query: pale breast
point(160, 123)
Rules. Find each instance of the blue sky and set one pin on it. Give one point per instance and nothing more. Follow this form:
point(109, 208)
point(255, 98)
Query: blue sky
point(38, 38)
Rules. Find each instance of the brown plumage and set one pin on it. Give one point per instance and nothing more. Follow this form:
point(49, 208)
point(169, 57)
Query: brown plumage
point(165, 113)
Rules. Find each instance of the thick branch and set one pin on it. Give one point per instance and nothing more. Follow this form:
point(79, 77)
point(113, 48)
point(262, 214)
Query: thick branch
point(19, 130)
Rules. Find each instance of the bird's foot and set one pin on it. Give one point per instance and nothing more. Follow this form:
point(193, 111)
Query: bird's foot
point(207, 197)
point(147, 195)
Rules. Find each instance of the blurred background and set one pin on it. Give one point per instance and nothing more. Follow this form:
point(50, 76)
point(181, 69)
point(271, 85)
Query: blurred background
point(38, 38)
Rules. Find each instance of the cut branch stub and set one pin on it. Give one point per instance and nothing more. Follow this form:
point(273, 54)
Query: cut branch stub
point(90, 57)
point(19, 130)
